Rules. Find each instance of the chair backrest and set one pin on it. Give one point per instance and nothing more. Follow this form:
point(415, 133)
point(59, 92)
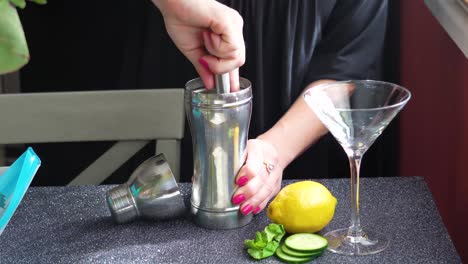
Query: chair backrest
point(131, 117)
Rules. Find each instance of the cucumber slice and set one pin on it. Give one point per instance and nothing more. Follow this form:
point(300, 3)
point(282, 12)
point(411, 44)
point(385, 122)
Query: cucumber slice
point(308, 243)
point(298, 254)
point(291, 259)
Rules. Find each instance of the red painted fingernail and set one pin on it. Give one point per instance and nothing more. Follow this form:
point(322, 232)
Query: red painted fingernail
point(242, 181)
point(238, 199)
point(246, 209)
point(256, 210)
point(204, 63)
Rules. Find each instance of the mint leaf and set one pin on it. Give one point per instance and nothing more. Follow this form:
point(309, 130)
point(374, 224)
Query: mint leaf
point(272, 246)
point(261, 254)
point(255, 245)
point(260, 237)
point(276, 228)
point(255, 253)
point(267, 251)
point(275, 232)
point(266, 242)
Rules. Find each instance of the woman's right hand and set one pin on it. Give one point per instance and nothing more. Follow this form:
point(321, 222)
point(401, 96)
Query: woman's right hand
point(209, 34)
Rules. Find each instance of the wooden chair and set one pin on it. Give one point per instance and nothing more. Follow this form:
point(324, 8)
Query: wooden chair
point(131, 117)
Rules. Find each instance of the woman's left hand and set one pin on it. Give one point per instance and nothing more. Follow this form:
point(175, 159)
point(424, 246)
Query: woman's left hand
point(259, 179)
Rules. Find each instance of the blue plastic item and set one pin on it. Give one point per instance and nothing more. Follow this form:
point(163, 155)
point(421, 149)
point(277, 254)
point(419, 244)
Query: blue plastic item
point(14, 182)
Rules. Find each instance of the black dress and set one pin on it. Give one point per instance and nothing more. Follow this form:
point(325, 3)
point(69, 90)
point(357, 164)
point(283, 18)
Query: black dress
point(289, 44)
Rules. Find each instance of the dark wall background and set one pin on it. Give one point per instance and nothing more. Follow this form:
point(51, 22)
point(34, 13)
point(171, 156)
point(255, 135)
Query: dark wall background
point(78, 46)
point(436, 146)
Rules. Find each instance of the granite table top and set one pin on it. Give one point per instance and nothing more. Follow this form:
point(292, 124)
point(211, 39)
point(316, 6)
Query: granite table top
point(73, 225)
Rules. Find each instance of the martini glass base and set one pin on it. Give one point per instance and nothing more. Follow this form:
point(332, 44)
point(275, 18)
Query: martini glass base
point(369, 243)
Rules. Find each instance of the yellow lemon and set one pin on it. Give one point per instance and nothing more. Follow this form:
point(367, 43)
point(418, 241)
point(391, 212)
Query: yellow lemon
point(302, 207)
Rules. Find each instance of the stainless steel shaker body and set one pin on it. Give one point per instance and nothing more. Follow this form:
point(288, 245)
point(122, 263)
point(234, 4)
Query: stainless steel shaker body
point(219, 125)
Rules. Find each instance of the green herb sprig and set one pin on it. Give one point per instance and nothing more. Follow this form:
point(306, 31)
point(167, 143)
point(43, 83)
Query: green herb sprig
point(266, 242)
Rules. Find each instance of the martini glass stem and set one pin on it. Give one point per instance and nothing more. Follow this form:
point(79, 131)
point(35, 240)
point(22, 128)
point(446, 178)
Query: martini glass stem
point(355, 230)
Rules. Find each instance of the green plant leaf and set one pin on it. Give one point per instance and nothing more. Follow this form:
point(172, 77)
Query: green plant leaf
point(14, 52)
point(40, 2)
point(19, 3)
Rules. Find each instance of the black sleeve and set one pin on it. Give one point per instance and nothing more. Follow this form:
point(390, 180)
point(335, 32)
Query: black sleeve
point(352, 42)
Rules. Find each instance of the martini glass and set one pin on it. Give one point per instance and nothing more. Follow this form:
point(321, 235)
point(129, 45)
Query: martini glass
point(356, 113)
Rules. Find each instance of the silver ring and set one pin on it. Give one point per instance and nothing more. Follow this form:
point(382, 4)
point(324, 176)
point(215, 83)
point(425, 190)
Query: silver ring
point(269, 167)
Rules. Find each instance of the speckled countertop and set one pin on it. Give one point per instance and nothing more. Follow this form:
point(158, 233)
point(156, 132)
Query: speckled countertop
point(73, 225)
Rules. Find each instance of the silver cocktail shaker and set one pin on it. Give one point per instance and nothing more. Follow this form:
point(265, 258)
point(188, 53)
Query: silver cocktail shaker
point(219, 125)
point(150, 192)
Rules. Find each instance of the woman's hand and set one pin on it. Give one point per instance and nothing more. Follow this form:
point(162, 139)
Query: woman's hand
point(260, 177)
point(209, 34)
point(292, 134)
